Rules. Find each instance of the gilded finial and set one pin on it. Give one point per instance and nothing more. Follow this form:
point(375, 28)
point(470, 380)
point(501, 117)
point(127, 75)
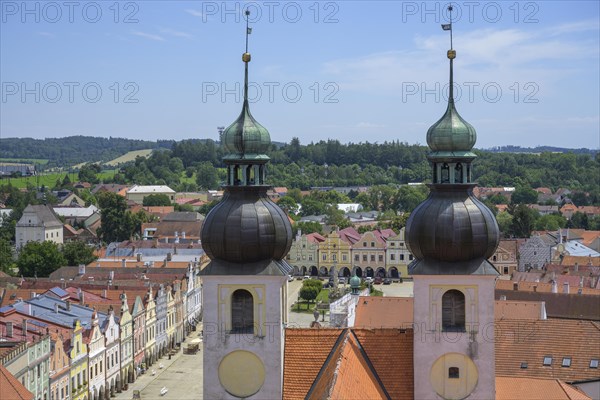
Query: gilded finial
point(246, 56)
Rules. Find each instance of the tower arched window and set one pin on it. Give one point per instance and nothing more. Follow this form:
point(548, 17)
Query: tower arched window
point(458, 173)
point(453, 311)
point(242, 312)
point(445, 173)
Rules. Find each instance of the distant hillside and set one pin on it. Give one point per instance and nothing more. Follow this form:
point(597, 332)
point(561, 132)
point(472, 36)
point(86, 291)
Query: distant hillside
point(539, 149)
point(73, 150)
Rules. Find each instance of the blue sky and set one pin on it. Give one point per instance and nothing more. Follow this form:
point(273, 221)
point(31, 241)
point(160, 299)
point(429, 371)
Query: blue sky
point(527, 72)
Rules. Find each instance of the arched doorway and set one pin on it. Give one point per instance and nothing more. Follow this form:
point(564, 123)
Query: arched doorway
point(358, 271)
point(394, 273)
point(369, 271)
point(345, 271)
point(296, 270)
point(303, 271)
point(381, 272)
point(314, 271)
point(323, 271)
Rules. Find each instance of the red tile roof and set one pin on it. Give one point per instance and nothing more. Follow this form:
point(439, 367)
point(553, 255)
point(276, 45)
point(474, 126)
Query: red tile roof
point(511, 388)
point(384, 312)
point(12, 389)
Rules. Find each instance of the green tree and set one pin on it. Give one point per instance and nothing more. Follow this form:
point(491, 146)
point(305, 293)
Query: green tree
point(524, 195)
point(159, 199)
point(6, 256)
point(40, 259)
point(206, 176)
point(307, 227)
point(76, 253)
point(523, 220)
point(205, 208)
point(117, 223)
point(504, 220)
point(335, 216)
point(88, 173)
point(288, 205)
point(579, 220)
point(550, 222)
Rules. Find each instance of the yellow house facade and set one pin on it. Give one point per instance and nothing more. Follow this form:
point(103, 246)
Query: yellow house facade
point(78, 355)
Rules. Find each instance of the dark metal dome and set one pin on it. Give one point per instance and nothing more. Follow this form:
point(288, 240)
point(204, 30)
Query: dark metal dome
point(451, 225)
point(246, 227)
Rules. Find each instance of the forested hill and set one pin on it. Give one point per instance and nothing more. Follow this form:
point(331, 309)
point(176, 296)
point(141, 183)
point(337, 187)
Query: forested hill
point(73, 149)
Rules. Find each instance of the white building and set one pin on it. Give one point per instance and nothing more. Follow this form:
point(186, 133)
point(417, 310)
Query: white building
point(38, 224)
point(138, 193)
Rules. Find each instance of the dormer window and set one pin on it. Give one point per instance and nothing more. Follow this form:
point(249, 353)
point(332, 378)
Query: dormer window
point(594, 363)
point(547, 361)
point(566, 362)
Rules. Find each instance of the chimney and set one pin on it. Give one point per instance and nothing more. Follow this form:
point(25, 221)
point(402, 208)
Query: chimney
point(33, 295)
point(56, 308)
point(554, 287)
point(169, 256)
point(581, 281)
point(68, 304)
point(123, 263)
point(24, 333)
point(104, 294)
point(111, 275)
point(503, 298)
point(82, 269)
point(139, 257)
point(576, 269)
point(543, 314)
point(9, 329)
point(183, 234)
point(82, 298)
point(566, 287)
point(176, 234)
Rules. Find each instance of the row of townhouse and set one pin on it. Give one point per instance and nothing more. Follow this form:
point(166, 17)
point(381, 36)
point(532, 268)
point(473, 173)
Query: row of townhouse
point(346, 252)
point(61, 345)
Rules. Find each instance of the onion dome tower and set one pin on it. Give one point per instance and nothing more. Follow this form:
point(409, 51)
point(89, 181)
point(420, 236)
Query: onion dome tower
point(244, 292)
point(452, 234)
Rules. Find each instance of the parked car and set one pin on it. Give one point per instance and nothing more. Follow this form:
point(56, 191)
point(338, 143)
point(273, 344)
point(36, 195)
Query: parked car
point(378, 280)
point(290, 278)
point(387, 281)
point(368, 279)
point(306, 277)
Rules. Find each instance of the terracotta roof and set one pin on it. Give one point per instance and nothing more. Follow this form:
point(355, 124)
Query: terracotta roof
point(348, 374)
point(12, 389)
point(510, 388)
point(384, 312)
point(315, 238)
point(391, 353)
point(348, 363)
point(300, 371)
point(581, 261)
point(519, 341)
point(519, 309)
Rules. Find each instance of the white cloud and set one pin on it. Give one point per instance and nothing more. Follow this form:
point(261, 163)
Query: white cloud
point(176, 33)
point(148, 36)
point(195, 13)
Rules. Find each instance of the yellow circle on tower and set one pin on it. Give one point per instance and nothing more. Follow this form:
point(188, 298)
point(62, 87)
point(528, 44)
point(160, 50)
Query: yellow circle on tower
point(241, 373)
point(454, 376)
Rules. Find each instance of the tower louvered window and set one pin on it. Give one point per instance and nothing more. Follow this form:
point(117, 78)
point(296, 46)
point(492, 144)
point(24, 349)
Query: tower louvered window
point(242, 312)
point(453, 311)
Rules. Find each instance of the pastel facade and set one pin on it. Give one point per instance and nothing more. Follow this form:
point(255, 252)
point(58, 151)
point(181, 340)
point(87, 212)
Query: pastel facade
point(138, 315)
point(150, 353)
point(126, 343)
point(110, 329)
point(59, 375)
point(78, 354)
point(397, 255)
point(97, 361)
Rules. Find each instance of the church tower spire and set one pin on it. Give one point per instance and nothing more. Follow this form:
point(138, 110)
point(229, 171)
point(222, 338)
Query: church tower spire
point(452, 234)
point(244, 291)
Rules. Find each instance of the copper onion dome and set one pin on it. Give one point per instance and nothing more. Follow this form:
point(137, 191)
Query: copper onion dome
point(246, 233)
point(452, 232)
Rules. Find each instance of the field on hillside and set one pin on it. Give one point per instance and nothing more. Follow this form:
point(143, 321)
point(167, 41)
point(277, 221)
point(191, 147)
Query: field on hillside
point(131, 156)
point(49, 179)
point(24, 161)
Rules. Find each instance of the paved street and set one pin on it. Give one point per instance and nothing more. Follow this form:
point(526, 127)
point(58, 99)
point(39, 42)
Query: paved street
point(182, 376)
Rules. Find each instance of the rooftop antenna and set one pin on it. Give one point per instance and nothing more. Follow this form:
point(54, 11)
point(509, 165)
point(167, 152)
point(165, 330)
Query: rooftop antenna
point(451, 54)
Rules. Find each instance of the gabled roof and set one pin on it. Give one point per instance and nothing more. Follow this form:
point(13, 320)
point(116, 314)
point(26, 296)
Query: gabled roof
point(521, 341)
point(44, 213)
point(315, 238)
point(510, 388)
point(348, 364)
point(12, 389)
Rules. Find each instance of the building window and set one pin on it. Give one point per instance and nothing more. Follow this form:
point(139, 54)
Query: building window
point(372, 244)
point(566, 362)
point(410, 257)
point(392, 257)
point(356, 257)
point(547, 361)
point(242, 312)
point(324, 257)
point(364, 257)
point(594, 363)
point(372, 257)
point(334, 257)
point(453, 311)
point(453, 373)
point(310, 258)
point(381, 258)
point(505, 270)
point(401, 257)
point(364, 244)
point(344, 257)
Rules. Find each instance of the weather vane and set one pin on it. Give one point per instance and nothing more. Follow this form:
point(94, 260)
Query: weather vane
point(448, 27)
point(248, 29)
